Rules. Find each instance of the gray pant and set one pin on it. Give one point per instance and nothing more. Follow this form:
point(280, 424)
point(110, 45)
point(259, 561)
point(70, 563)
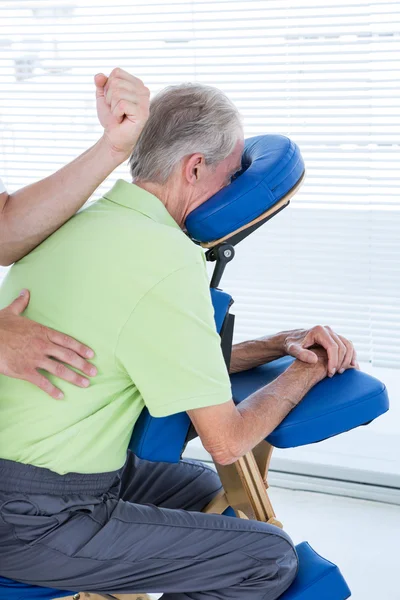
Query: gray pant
point(137, 530)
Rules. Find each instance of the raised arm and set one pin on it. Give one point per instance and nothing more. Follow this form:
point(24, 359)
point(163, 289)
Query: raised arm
point(31, 214)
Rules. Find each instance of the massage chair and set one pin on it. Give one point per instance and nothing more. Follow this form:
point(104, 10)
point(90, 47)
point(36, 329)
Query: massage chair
point(272, 172)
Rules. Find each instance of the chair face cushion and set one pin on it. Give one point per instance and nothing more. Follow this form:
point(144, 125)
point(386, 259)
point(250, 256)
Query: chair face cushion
point(271, 166)
point(317, 578)
point(332, 407)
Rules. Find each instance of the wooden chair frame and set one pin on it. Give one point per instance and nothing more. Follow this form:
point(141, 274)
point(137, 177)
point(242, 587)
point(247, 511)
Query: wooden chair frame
point(245, 485)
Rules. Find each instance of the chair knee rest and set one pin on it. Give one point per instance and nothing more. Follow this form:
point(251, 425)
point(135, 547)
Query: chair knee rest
point(317, 578)
point(14, 590)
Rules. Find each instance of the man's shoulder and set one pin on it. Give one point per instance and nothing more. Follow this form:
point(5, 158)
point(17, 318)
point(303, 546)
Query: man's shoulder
point(175, 254)
point(120, 241)
point(144, 237)
point(143, 247)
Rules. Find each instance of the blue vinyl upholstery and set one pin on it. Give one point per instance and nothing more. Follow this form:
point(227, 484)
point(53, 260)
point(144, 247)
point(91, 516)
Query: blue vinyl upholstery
point(12, 590)
point(332, 407)
point(271, 166)
point(317, 578)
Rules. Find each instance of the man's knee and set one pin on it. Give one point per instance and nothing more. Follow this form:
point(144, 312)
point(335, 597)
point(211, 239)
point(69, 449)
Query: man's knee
point(288, 565)
point(211, 483)
point(274, 562)
point(206, 485)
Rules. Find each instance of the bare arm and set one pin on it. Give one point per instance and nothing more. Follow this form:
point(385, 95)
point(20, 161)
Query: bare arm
point(298, 343)
point(31, 214)
point(229, 432)
point(251, 354)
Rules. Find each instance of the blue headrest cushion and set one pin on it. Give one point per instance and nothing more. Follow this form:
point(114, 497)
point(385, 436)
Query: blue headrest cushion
point(271, 166)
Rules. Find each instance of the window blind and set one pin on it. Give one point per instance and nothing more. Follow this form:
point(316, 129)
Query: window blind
point(325, 73)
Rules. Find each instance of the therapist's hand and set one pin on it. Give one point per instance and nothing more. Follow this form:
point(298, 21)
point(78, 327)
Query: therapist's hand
point(340, 351)
point(26, 346)
point(123, 103)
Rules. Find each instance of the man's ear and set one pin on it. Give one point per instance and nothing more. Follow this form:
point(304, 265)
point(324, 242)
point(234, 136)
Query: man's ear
point(193, 168)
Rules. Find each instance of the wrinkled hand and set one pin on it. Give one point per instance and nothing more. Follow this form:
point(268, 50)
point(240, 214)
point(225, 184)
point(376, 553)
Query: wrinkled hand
point(318, 369)
point(122, 107)
point(26, 346)
point(340, 351)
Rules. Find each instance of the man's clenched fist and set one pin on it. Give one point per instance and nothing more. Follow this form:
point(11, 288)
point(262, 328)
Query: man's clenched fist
point(122, 107)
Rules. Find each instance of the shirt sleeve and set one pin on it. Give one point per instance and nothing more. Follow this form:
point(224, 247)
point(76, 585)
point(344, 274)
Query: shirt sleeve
point(2, 187)
point(170, 348)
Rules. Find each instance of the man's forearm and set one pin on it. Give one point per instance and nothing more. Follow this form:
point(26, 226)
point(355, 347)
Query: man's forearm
point(262, 412)
point(31, 214)
point(251, 354)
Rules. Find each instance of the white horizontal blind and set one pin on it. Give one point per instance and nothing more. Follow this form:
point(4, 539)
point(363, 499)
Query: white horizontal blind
point(324, 72)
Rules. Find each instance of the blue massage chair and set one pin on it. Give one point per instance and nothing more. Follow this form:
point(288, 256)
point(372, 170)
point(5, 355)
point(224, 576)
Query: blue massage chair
point(272, 171)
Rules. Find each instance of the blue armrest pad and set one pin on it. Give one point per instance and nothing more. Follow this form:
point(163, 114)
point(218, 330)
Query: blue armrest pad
point(317, 578)
point(332, 407)
point(271, 166)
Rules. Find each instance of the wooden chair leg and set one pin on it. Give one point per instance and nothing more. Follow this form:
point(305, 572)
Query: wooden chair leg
point(263, 454)
point(218, 504)
point(245, 487)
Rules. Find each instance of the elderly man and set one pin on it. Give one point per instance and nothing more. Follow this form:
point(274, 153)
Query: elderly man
point(78, 511)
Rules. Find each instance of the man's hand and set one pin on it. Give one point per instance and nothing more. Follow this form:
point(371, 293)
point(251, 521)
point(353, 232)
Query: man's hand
point(26, 346)
point(340, 351)
point(122, 107)
point(316, 370)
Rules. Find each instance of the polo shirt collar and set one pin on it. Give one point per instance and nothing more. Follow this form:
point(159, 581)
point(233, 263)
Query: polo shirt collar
point(136, 198)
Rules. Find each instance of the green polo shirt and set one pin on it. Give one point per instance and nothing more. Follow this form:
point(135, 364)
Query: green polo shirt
point(122, 277)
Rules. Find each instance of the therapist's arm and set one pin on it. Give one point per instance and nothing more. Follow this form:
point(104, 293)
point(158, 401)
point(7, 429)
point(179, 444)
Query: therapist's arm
point(30, 215)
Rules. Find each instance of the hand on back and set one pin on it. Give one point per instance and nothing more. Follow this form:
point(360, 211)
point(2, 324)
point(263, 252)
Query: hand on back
point(27, 346)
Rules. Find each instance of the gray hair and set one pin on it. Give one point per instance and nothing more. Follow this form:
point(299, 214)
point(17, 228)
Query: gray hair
point(185, 119)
